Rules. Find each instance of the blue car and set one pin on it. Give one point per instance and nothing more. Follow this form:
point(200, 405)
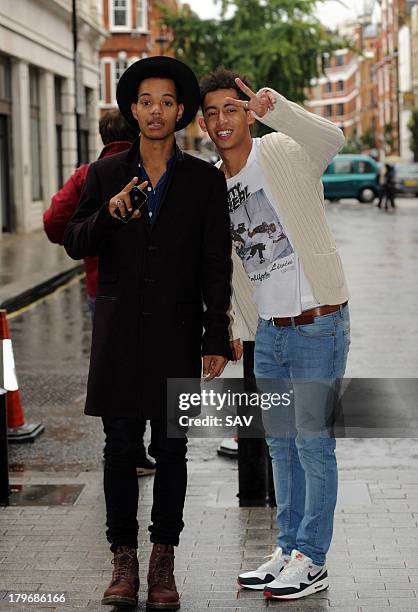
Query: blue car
point(352, 176)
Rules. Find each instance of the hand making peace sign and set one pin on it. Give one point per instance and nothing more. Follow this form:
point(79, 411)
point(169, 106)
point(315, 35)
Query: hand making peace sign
point(120, 205)
point(259, 103)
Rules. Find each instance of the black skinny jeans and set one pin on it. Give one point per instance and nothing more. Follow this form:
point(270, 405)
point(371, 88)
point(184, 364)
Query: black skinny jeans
point(121, 482)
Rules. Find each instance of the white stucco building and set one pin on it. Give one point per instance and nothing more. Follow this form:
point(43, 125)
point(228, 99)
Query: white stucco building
point(38, 145)
point(405, 90)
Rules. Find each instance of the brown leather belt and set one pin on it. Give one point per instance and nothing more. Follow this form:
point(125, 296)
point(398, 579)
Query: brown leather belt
point(307, 317)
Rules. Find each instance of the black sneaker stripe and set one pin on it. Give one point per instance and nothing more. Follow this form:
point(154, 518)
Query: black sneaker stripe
point(255, 580)
point(317, 576)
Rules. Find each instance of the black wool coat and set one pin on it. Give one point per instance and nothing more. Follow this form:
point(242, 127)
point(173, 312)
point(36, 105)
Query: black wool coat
point(163, 289)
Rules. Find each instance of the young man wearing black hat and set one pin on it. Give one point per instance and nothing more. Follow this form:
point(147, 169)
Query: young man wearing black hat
point(157, 266)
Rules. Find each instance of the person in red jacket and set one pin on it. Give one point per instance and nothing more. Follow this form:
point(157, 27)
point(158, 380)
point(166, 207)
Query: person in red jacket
point(117, 136)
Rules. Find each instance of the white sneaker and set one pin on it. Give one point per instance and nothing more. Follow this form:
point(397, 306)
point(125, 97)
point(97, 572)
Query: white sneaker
point(298, 579)
point(266, 573)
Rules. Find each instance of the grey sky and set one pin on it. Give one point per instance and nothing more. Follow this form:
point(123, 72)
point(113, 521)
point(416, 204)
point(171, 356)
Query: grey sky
point(330, 12)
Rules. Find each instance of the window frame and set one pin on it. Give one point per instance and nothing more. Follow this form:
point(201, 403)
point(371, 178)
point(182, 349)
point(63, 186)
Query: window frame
point(128, 12)
point(340, 105)
point(144, 26)
point(35, 133)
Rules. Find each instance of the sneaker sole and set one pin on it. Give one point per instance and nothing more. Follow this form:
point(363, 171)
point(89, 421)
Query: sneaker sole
point(163, 606)
point(253, 587)
point(115, 600)
point(314, 588)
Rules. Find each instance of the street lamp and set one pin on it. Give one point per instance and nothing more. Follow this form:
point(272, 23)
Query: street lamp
point(162, 40)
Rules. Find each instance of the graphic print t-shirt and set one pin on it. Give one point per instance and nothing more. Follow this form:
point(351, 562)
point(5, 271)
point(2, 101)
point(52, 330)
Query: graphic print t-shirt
point(264, 246)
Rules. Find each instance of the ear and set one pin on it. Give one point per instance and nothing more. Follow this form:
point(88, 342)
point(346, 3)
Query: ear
point(133, 110)
point(202, 124)
point(250, 118)
point(180, 112)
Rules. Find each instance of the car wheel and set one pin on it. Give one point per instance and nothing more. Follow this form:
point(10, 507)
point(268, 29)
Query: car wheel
point(366, 195)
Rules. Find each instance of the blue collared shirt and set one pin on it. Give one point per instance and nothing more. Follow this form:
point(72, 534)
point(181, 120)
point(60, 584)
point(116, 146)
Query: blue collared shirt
point(155, 193)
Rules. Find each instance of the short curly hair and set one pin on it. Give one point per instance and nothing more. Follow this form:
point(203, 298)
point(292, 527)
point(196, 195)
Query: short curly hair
point(221, 78)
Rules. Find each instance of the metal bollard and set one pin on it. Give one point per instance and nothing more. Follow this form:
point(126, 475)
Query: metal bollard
point(255, 480)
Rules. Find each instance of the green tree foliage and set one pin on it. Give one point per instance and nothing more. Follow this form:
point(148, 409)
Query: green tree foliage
point(413, 126)
point(353, 144)
point(272, 42)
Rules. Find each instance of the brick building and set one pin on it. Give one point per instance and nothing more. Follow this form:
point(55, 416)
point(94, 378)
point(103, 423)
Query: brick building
point(134, 32)
point(368, 94)
point(336, 95)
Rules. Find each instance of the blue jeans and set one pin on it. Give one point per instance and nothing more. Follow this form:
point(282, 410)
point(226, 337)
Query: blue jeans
point(312, 359)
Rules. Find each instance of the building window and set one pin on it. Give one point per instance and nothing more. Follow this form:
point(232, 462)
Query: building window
point(5, 81)
point(328, 87)
point(339, 60)
point(340, 110)
point(59, 122)
point(120, 14)
point(102, 81)
point(5, 144)
point(326, 60)
point(328, 110)
point(85, 131)
point(340, 85)
point(35, 133)
point(142, 14)
point(121, 65)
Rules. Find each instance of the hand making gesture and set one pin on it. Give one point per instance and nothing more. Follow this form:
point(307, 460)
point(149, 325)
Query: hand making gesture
point(259, 103)
point(120, 205)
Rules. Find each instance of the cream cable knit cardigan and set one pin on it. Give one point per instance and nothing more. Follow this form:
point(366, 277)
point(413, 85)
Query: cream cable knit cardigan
point(293, 160)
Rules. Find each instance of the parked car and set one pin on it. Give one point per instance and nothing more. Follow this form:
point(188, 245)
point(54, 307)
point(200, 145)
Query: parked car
point(352, 176)
point(406, 178)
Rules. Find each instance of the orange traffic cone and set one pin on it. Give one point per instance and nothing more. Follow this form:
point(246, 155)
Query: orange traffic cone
point(17, 429)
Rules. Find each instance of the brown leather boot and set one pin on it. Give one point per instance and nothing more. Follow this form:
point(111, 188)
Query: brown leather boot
point(162, 591)
point(124, 586)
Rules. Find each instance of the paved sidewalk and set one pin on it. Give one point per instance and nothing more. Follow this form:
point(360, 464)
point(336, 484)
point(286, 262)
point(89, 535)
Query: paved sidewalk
point(28, 264)
point(373, 563)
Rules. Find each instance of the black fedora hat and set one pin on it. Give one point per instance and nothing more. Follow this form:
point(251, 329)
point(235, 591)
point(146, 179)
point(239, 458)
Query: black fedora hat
point(164, 67)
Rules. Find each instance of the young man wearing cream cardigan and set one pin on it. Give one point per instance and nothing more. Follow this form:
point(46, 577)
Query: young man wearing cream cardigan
point(289, 291)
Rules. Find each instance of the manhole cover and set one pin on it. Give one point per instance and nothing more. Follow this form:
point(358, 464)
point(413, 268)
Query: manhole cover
point(44, 495)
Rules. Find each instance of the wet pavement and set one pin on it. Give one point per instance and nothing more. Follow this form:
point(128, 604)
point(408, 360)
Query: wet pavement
point(27, 263)
point(373, 561)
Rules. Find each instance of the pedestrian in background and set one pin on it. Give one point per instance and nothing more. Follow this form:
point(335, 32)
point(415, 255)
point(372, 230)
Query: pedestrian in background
point(158, 266)
point(297, 292)
point(388, 192)
point(117, 136)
